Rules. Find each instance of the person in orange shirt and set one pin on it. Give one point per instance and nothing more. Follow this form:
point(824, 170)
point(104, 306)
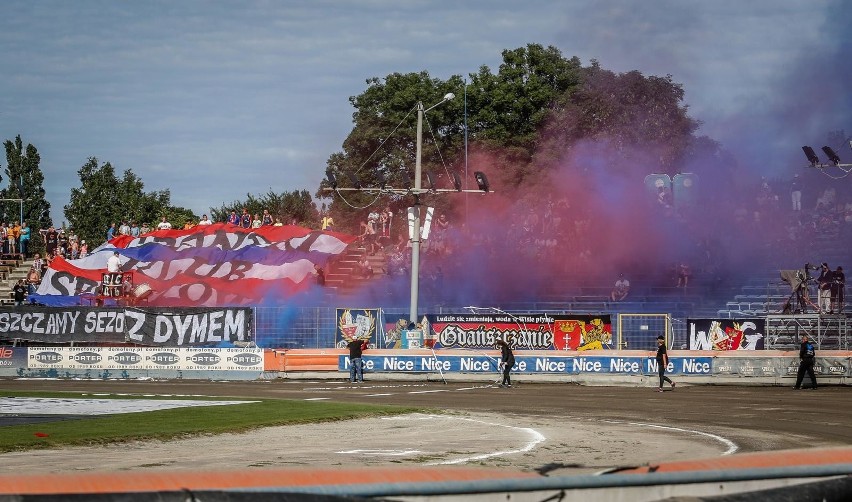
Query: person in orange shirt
point(12, 236)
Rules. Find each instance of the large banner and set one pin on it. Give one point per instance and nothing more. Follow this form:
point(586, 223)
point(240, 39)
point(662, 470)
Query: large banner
point(213, 265)
point(523, 331)
point(726, 334)
point(355, 324)
point(172, 327)
point(556, 364)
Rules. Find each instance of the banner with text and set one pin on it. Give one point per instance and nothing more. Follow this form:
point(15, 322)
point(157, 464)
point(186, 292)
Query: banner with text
point(172, 327)
point(145, 358)
point(726, 334)
point(523, 331)
point(567, 365)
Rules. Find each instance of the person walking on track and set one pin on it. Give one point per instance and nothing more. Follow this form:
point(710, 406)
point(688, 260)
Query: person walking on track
point(507, 360)
point(662, 362)
point(807, 355)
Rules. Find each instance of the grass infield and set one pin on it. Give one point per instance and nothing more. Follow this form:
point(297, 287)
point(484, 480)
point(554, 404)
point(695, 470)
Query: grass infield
point(176, 423)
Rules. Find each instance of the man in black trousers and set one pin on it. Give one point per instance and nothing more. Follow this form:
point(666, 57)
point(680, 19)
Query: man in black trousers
point(507, 360)
point(807, 355)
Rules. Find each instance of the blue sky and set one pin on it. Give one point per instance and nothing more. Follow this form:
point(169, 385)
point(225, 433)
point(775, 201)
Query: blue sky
point(214, 100)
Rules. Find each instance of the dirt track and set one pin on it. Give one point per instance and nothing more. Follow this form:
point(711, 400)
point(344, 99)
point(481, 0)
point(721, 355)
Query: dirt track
point(525, 427)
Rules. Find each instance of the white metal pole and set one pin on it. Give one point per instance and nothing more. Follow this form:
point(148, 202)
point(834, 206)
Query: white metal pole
point(415, 238)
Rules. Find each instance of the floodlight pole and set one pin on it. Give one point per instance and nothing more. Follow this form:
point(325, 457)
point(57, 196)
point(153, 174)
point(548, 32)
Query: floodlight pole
point(415, 236)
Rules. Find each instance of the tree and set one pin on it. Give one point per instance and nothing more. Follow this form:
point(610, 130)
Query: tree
point(25, 182)
point(103, 199)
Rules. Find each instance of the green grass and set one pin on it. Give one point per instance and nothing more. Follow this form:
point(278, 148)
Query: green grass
point(178, 423)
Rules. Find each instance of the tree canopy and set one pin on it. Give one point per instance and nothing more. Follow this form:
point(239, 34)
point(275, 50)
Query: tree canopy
point(25, 181)
point(528, 118)
point(103, 198)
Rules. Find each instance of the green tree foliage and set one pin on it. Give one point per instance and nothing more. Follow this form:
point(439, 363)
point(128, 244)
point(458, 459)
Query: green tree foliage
point(504, 110)
point(103, 199)
point(641, 120)
point(289, 207)
point(25, 181)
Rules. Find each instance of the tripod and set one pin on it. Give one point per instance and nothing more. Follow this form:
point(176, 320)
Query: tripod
point(802, 300)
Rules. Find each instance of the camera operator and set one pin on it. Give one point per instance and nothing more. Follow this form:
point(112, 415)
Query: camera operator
point(824, 281)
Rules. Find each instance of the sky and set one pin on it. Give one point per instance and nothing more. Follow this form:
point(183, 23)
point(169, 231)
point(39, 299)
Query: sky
point(215, 100)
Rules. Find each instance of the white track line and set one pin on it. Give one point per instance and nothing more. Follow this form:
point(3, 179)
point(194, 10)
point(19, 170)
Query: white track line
point(427, 391)
point(317, 398)
point(732, 446)
point(536, 436)
point(378, 395)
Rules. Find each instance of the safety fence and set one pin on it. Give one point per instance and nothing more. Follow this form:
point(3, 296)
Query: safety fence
point(316, 327)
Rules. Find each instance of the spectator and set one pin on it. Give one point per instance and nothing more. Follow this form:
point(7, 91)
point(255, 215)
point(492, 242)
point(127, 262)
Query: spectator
point(683, 274)
point(622, 288)
point(327, 222)
point(164, 225)
point(824, 281)
point(204, 221)
point(145, 229)
point(245, 219)
point(24, 239)
point(134, 229)
point(837, 294)
point(110, 232)
point(796, 193)
point(257, 221)
point(266, 220)
point(124, 228)
point(233, 219)
point(365, 267)
point(84, 249)
point(20, 292)
point(13, 233)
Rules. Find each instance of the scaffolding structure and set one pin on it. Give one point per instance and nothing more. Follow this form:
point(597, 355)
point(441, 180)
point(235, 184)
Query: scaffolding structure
point(828, 332)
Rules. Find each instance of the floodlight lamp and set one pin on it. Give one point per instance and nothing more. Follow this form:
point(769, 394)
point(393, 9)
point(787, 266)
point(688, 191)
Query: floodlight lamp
point(832, 156)
point(406, 179)
point(354, 179)
point(332, 179)
point(481, 180)
point(448, 96)
point(811, 155)
point(430, 177)
point(457, 182)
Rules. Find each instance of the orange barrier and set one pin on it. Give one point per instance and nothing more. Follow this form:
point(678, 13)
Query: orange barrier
point(123, 482)
point(781, 458)
point(302, 359)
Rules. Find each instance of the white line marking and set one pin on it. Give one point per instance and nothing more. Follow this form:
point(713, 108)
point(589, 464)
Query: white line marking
point(732, 446)
point(536, 436)
point(317, 398)
point(377, 395)
point(427, 391)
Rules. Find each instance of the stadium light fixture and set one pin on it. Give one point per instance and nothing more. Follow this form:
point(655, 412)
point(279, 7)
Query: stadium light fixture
point(481, 180)
point(354, 180)
point(811, 155)
point(832, 156)
point(332, 179)
point(430, 177)
point(457, 184)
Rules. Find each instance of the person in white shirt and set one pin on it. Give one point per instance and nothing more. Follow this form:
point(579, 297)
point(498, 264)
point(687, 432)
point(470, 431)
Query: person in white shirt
point(164, 225)
point(114, 263)
point(205, 221)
